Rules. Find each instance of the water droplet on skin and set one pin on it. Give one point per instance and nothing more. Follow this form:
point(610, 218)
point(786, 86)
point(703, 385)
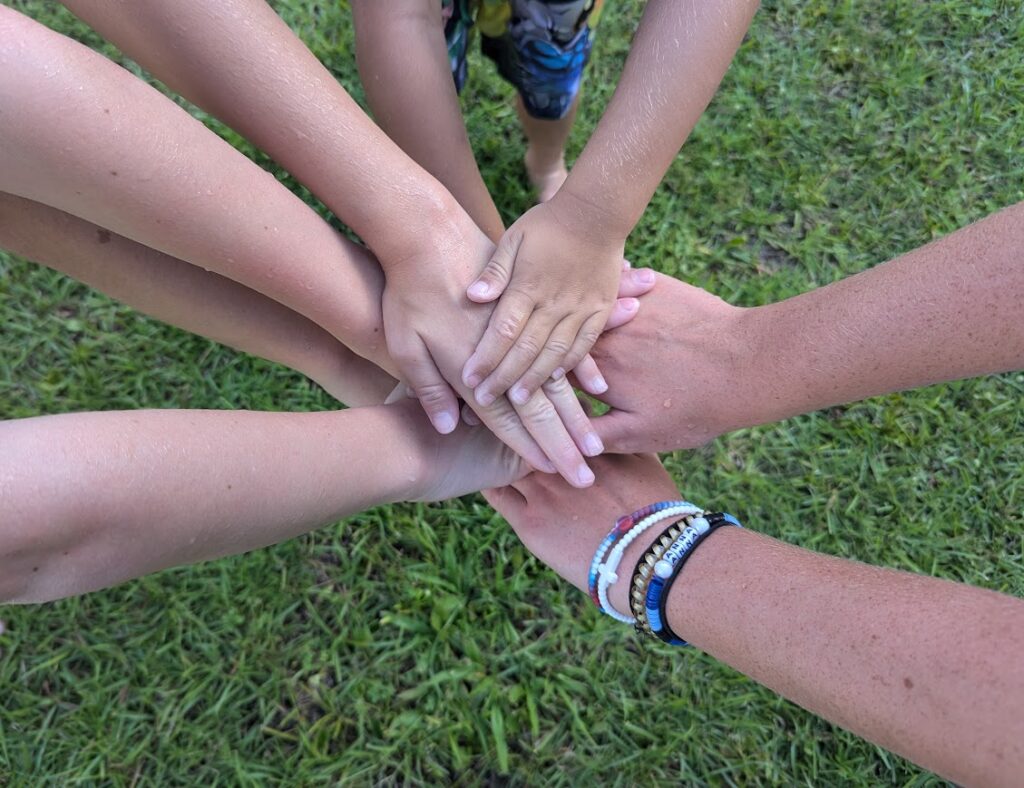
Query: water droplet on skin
point(667, 403)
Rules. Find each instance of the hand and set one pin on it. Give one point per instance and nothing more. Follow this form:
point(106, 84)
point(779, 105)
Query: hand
point(431, 327)
point(464, 461)
point(563, 527)
point(680, 374)
point(556, 274)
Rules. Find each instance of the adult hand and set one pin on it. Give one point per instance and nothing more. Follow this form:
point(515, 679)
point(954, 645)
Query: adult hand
point(563, 527)
point(678, 375)
point(556, 273)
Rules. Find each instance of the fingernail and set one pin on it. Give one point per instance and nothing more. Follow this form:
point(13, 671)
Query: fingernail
point(472, 381)
point(592, 444)
point(631, 304)
point(599, 385)
point(479, 289)
point(558, 374)
point(585, 476)
point(484, 398)
point(444, 423)
point(644, 276)
point(519, 395)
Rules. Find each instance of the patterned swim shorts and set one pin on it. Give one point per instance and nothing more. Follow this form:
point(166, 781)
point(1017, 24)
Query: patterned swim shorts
point(540, 46)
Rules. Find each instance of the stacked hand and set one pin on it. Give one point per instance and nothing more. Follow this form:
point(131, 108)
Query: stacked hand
point(556, 272)
point(431, 329)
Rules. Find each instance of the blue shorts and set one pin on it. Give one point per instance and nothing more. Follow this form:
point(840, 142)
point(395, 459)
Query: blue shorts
point(540, 46)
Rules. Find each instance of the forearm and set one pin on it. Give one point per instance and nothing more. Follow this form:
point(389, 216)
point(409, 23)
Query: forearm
point(86, 137)
point(92, 499)
point(927, 668)
point(239, 60)
point(188, 297)
point(403, 64)
point(679, 55)
point(945, 311)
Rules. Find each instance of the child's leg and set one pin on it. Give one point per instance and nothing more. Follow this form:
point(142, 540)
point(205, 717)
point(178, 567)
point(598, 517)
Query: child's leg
point(82, 135)
point(542, 50)
point(188, 297)
point(545, 151)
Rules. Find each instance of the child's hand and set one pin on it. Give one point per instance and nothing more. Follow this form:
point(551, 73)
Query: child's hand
point(557, 276)
point(431, 329)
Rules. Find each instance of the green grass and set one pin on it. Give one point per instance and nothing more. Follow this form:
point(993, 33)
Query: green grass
point(421, 643)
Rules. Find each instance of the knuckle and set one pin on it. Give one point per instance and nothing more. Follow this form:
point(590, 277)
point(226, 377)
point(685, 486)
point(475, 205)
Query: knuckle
point(503, 421)
point(558, 347)
point(509, 326)
point(528, 346)
point(431, 393)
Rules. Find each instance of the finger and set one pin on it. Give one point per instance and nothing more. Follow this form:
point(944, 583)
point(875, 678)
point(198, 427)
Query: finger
point(589, 376)
point(507, 321)
point(431, 389)
point(551, 358)
point(496, 274)
point(524, 351)
point(469, 417)
point(541, 419)
point(399, 392)
point(617, 430)
point(625, 264)
point(585, 339)
point(507, 501)
point(636, 282)
point(503, 420)
point(570, 410)
point(624, 310)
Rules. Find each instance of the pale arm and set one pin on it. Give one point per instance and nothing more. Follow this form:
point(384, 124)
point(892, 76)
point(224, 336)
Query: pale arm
point(186, 296)
point(92, 499)
point(87, 138)
point(403, 64)
point(238, 60)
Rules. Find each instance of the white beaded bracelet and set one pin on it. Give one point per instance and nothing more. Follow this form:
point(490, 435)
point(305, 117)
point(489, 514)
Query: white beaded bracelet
point(607, 570)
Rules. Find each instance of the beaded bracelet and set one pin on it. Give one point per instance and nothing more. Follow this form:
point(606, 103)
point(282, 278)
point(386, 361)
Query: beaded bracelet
point(607, 570)
point(622, 526)
point(642, 575)
point(667, 569)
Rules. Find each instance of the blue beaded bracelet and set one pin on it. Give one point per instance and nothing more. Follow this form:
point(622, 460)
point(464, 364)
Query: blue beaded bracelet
point(668, 567)
point(622, 526)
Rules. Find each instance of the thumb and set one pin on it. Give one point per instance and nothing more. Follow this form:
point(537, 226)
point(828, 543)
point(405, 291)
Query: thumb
point(507, 501)
point(617, 430)
point(495, 277)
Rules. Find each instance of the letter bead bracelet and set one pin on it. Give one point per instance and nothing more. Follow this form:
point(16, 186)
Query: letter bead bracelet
point(658, 568)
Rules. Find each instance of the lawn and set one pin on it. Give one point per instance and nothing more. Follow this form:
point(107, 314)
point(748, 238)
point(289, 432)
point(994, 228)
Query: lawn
point(422, 643)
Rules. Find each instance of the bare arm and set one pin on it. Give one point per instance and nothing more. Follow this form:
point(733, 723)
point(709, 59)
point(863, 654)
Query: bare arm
point(92, 499)
point(85, 137)
point(679, 55)
point(948, 310)
point(238, 60)
point(186, 296)
point(925, 667)
point(403, 64)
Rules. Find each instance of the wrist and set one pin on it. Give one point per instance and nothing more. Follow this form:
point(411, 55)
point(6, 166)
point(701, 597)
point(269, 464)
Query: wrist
point(587, 214)
point(770, 378)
